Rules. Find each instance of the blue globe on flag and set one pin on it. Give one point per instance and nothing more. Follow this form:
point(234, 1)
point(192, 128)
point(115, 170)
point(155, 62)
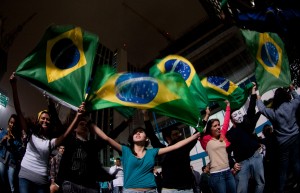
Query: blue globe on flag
point(136, 88)
point(178, 66)
point(220, 82)
point(270, 54)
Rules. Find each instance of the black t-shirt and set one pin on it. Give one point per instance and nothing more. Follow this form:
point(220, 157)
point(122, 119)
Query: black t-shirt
point(80, 163)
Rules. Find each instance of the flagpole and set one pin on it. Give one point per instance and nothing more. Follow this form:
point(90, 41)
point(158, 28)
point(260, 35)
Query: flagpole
point(51, 96)
point(156, 126)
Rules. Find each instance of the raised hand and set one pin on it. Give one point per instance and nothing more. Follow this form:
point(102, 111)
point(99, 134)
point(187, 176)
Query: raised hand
point(254, 88)
point(13, 79)
point(81, 109)
point(227, 102)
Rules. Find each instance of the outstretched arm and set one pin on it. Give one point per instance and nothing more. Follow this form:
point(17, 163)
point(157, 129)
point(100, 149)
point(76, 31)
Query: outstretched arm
point(13, 82)
point(103, 136)
point(251, 108)
point(79, 113)
point(226, 119)
point(293, 92)
point(179, 144)
point(269, 113)
point(207, 114)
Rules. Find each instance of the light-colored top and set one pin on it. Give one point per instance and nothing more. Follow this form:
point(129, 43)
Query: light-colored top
point(36, 158)
point(119, 180)
point(138, 172)
point(218, 156)
point(216, 148)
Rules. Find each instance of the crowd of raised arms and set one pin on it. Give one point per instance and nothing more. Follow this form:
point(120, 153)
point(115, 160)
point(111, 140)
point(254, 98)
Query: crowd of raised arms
point(44, 155)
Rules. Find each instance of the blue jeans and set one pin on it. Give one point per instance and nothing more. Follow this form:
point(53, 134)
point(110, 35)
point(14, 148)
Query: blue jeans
point(117, 189)
point(222, 182)
point(27, 186)
point(251, 167)
point(9, 173)
point(135, 191)
point(288, 154)
point(70, 187)
point(166, 190)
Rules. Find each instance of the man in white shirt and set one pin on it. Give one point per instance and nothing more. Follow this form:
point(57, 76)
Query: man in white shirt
point(117, 171)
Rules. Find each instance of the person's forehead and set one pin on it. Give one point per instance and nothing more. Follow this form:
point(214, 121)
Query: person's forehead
point(12, 119)
point(237, 112)
point(139, 131)
point(175, 131)
point(82, 122)
point(215, 122)
point(45, 114)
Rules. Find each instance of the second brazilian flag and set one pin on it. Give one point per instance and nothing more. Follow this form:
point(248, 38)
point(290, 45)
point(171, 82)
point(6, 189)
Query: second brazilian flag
point(166, 94)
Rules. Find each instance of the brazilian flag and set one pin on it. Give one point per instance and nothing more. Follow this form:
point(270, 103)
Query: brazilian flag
point(272, 65)
point(219, 89)
point(175, 63)
point(166, 94)
point(61, 64)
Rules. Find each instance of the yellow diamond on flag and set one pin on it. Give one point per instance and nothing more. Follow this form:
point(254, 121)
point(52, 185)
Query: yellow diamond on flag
point(64, 54)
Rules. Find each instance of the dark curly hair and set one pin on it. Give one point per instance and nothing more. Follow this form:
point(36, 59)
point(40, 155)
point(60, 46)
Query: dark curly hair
point(281, 96)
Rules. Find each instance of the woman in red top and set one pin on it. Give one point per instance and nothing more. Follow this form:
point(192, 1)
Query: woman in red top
point(214, 142)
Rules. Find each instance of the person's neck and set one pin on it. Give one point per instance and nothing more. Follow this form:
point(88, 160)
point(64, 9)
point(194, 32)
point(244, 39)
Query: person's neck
point(81, 138)
point(139, 150)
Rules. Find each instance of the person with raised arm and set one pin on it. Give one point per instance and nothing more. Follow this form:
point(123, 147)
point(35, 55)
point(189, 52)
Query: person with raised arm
point(138, 161)
point(33, 176)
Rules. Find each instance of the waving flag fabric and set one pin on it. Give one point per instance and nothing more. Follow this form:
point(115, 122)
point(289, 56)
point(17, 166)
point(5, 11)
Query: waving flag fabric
point(61, 64)
point(167, 94)
point(272, 65)
point(175, 63)
point(219, 89)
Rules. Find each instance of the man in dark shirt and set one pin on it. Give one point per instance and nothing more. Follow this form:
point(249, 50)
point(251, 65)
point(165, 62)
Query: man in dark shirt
point(247, 160)
point(204, 180)
point(176, 171)
point(80, 169)
point(197, 178)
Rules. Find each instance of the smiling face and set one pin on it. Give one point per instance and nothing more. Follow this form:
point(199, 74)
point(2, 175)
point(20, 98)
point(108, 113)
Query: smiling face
point(11, 123)
point(237, 117)
point(44, 120)
point(215, 129)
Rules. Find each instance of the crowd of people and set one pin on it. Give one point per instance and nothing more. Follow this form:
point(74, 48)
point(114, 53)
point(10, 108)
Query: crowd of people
point(239, 161)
